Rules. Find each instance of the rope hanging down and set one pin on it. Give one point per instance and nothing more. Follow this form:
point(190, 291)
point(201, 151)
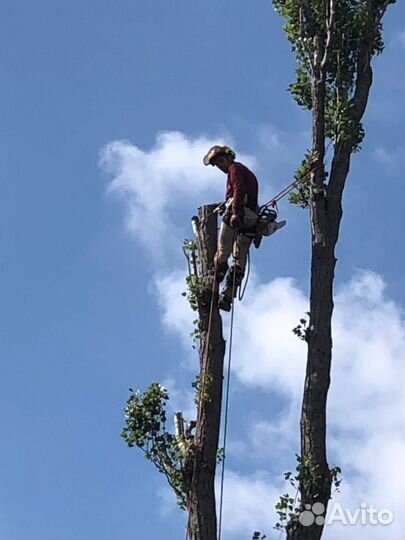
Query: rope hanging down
point(271, 203)
point(228, 378)
point(202, 389)
point(201, 393)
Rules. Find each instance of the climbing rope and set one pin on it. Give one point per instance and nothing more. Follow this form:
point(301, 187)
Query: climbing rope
point(202, 387)
point(228, 378)
point(273, 202)
point(242, 290)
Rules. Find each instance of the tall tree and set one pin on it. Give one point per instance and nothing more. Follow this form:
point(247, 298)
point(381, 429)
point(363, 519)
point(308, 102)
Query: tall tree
point(189, 460)
point(202, 513)
point(334, 42)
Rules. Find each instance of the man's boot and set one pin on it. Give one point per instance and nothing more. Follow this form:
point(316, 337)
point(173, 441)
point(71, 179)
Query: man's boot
point(233, 281)
point(224, 302)
point(220, 271)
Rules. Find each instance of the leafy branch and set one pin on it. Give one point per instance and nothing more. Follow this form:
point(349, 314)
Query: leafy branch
point(289, 508)
point(332, 36)
point(302, 177)
point(202, 385)
point(302, 329)
point(145, 417)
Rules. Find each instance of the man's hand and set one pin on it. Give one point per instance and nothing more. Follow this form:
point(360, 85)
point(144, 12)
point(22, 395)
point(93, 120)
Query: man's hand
point(235, 221)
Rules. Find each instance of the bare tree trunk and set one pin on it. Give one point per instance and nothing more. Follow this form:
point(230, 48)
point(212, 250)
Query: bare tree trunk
point(202, 513)
point(326, 214)
point(315, 484)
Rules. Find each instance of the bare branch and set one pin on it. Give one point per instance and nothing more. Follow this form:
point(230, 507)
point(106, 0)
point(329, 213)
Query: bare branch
point(330, 24)
point(383, 10)
point(363, 83)
point(304, 40)
point(306, 7)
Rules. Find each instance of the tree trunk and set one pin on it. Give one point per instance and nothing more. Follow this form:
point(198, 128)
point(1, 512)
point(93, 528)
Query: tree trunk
point(315, 482)
point(202, 513)
point(326, 214)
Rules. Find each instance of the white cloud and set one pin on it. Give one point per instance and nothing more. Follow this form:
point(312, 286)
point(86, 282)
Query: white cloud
point(398, 39)
point(249, 504)
point(176, 312)
point(270, 138)
point(266, 354)
point(279, 154)
point(384, 156)
point(392, 157)
point(180, 400)
point(154, 183)
point(366, 401)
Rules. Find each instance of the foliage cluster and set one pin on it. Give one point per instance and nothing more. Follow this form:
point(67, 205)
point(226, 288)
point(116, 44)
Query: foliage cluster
point(202, 385)
point(332, 41)
point(145, 417)
point(193, 280)
point(302, 329)
point(302, 177)
point(145, 412)
point(194, 291)
point(288, 508)
point(344, 30)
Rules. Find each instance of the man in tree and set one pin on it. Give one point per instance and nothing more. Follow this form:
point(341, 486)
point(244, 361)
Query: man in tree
point(239, 221)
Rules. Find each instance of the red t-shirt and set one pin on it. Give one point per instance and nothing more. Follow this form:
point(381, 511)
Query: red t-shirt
point(242, 185)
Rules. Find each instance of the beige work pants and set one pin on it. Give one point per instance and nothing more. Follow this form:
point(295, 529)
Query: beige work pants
point(238, 244)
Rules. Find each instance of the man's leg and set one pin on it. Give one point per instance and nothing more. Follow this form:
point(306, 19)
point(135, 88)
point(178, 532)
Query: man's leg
point(242, 244)
point(224, 249)
point(241, 247)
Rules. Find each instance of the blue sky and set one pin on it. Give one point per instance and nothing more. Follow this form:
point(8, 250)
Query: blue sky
point(92, 271)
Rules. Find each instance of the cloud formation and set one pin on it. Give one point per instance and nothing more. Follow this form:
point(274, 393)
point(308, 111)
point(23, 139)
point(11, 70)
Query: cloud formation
point(152, 183)
point(366, 401)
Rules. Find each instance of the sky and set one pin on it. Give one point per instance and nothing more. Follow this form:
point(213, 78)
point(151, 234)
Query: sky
point(107, 109)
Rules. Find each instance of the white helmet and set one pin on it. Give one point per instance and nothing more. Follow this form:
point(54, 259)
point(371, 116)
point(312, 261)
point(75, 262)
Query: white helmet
point(217, 150)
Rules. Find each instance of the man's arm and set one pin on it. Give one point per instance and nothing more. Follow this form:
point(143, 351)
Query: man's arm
point(239, 190)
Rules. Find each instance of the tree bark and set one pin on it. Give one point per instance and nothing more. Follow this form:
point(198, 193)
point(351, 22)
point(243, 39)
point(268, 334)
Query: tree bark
point(326, 214)
point(315, 483)
point(202, 513)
